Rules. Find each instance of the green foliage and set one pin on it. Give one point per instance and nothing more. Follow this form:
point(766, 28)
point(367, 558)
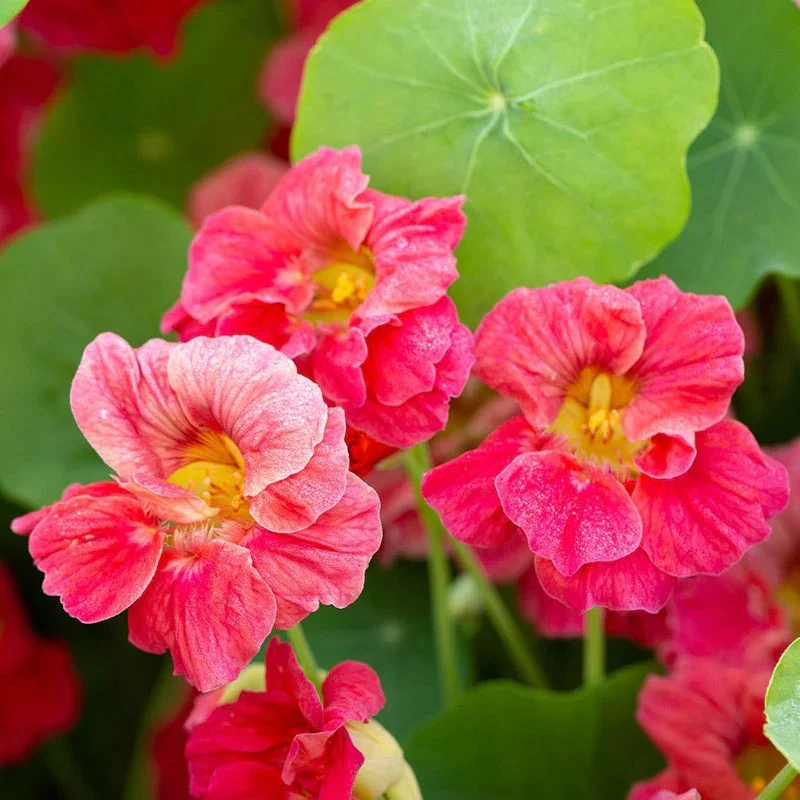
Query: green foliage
point(9, 9)
point(146, 126)
point(745, 168)
point(502, 740)
point(389, 628)
point(783, 705)
point(117, 265)
point(566, 124)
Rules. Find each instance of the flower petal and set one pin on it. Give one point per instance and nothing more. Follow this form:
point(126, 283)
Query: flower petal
point(413, 245)
point(270, 323)
point(233, 259)
point(244, 780)
point(336, 366)
point(316, 207)
point(210, 608)
point(631, 583)
point(691, 363)
point(253, 394)
point(572, 512)
point(534, 343)
point(126, 409)
point(463, 492)
point(352, 691)
point(295, 502)
point(98, 554)
point(704, 520)
point(549, 616)
point(325, 562)
point(167, 501)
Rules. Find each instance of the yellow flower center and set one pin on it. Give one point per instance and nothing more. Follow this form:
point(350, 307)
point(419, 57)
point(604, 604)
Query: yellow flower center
point(757, 765)
point(590, 419)
point(214, 470)
point(341, 287)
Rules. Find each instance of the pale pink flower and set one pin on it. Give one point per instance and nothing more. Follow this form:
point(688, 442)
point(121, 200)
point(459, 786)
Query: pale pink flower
point(233, 509)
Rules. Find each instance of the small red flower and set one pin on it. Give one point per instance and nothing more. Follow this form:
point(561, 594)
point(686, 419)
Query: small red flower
point(350, 282)
point(233, 508)
point(40, 693)
point(285, 742)
point(622, 473)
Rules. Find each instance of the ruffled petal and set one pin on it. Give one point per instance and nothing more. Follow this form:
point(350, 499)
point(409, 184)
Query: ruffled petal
point(463, 493)
point(534, 343)
point(210, 608)
point(233, 259)
point(98, 554)
point(704, 520)
point(125, 407)
point(572, 513)
point(413, 245)
point(316, 209)
point(270, 323)
point(632, 583)
point(352, 691)
point(336, 366)
point(295, 502)
point(549, 616)
point(253, 394)
point(324, 563)
point(244, 780)
point(167, 501)
point(691, 363)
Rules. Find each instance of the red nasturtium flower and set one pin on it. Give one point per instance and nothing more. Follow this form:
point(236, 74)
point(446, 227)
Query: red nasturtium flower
point(284, 742)
point(621, 474)
point(108, 25)
point(40, 694)
point(350, 282)
point(233, 509)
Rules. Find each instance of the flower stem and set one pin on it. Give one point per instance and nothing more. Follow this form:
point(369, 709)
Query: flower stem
point(504, 623)
point(594, 646)
point(418, 462)
point(305, 656)
point(779, 784)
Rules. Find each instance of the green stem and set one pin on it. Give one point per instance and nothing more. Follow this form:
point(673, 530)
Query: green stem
point(305, 656)
point(790, 301)
point(504, 623)
point(418, 462)
point(594, 646)
point(779, 784)
point(65, 770)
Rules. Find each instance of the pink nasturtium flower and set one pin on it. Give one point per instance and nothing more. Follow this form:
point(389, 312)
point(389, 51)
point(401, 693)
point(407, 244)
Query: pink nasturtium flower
point(350, 282)
point(707, 719)
point(116, 26)
point(282, 741)
point(622, 473)
point(233, 509)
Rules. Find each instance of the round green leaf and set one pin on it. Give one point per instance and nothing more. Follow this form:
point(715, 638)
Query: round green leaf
point(566, 124)
point(389, 628)
point(745, 169)
point(782, 705)
point(505, 741)
point(116, 265)
point(140, 125)
point(9, 9)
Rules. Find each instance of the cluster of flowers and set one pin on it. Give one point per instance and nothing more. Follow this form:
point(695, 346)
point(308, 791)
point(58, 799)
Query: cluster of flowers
point(40, 695)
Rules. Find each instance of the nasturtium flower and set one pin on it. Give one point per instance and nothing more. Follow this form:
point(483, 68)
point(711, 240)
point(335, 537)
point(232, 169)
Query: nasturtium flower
point(622, 473)
point(233, 508)
point(279, 739)
point(115, 26)
point(40, 694)
point(708, 719)
point(350, 282)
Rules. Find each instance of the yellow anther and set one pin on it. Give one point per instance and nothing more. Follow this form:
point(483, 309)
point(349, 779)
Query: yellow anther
point(206, 496)
point(207, 481)
point(345, 288)
point(599, 395)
